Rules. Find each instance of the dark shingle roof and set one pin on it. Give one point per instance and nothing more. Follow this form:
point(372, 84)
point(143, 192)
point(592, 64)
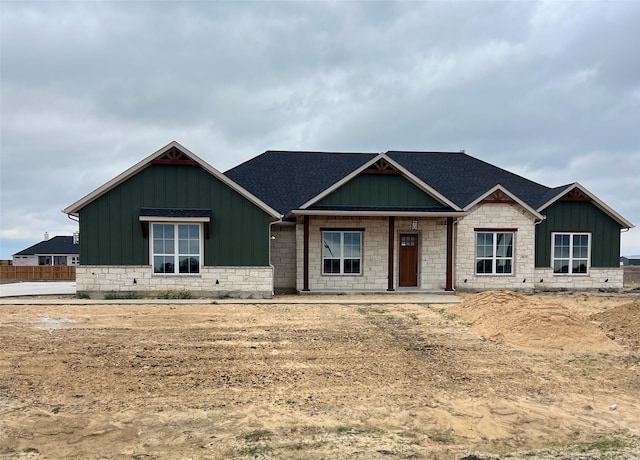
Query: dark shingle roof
point(56, 245)
point(462, 178)
point(551, 194)
point(286, 180)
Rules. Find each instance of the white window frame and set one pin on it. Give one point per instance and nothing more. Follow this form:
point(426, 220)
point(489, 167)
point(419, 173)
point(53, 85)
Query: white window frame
point(176, 254)
point(342, 257)
point(571, 257)
point(494, 256)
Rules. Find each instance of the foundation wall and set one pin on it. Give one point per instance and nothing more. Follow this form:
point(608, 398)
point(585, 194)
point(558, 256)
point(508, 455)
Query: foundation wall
point(241, 282)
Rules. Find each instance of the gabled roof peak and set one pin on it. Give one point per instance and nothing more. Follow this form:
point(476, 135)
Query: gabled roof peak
point(172, 153)
point(576, 192)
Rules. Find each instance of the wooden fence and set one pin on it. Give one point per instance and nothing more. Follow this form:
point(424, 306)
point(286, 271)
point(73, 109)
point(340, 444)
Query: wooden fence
point(38, 272)
point(632, 276)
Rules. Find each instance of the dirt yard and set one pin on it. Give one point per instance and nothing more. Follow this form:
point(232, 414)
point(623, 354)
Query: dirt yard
point(500, 375)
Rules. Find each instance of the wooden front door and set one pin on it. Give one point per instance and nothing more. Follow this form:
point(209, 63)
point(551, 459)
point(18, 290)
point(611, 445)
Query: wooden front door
point(408, 260)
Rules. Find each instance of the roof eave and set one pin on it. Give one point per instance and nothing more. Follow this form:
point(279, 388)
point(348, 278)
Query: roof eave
point(410, 176)
point(506, 191)
point(420, 183)
point(338, 184)
point(75, 207)
point(624, 223)
point(385, 213)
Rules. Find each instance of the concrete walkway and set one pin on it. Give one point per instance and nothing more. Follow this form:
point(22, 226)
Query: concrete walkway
point(288, 299)
point(38, 288)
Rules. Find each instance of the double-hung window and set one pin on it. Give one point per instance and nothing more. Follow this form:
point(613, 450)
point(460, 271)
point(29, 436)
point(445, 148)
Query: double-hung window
point(176, 248)
point(494, 253)
point(341, 252)
point(570, 253)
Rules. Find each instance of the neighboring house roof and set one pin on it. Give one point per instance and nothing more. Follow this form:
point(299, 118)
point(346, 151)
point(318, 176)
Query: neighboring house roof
point(294, 180)
point(75, 207)
point(58, 245)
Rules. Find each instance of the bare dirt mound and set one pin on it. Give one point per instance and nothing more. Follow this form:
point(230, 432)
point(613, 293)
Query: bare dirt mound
point(526, 323)
point(622, 323)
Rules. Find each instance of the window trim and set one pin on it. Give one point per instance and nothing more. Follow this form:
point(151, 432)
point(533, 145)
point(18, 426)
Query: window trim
point(176, 254)
point(494, 257)
point(571, 258)
point(342, 258)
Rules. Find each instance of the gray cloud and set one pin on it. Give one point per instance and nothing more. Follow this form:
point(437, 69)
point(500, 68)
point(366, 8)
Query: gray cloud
point(547, 89)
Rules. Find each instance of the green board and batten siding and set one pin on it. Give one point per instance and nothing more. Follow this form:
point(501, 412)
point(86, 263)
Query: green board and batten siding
point(379, 190)
point(113, 235)
point(578, 216)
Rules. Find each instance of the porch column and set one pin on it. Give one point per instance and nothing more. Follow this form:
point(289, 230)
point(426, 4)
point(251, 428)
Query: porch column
point(449, 280)
point(392, 235)
point(305, 260)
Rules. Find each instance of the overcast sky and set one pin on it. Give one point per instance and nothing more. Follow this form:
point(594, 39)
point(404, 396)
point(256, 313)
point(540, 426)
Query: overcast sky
point(549, 90)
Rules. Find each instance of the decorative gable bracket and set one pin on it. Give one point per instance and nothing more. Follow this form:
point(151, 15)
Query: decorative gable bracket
point(498, 196)
point(174, 156)
point(575, 195)
point(381, 166)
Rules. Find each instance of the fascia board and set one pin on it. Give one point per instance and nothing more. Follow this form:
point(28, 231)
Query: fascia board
point(391, 212)
point(599, 203)
point(340, 183)
point(420, 183)
point(504, 190)
point(75, 207)
point(562, 193)
point(412, 178)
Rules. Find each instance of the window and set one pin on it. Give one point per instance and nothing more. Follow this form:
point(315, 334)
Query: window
point(176, 248)
point(494, 253)
point(75, 260)
point(59, 260)
point(570, 253)
point(341, 253)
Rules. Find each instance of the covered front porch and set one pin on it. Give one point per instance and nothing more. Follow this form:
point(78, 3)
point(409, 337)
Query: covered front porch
point(374, 252)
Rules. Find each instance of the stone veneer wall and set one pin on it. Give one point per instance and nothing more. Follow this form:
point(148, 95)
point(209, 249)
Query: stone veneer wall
point(598, 278)
point(375, 254)
point(283, 257)
point(498, 216)
point(242, 282)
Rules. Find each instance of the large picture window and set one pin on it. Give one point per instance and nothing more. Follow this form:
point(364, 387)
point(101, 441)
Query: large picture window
point(176, 248)
point(341, 253)
point(570, 253)
point(494, 253)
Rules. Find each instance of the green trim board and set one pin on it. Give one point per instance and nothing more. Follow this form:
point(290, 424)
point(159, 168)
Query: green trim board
point(579, 216)
point(379, 191)
point(111, 228)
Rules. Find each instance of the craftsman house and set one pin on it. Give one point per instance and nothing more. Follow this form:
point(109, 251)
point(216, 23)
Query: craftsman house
point(316, 222)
